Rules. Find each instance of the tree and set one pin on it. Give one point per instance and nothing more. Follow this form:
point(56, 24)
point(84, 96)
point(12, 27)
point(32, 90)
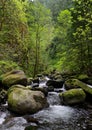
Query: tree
point(59, 49)
point(82, 33)
point(39, 20)
point(13, 30)
point(56, 6)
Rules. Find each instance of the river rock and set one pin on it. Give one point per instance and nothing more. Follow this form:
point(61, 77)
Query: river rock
point(55, 83)
point(50, 88)
point(22, 100)
point(83, 77)
point(14, 77)
point(36, 80)
point(73, 96)
point(85, 87)
point(42, 89)
point(70, 84)
point(3, 96)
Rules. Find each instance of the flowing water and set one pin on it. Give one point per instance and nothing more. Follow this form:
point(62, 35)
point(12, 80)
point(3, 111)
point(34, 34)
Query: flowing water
point(55, 117)
point(59, 117)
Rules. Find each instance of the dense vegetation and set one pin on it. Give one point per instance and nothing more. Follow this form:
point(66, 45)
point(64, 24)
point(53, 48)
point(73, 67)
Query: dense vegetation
point(43, 35)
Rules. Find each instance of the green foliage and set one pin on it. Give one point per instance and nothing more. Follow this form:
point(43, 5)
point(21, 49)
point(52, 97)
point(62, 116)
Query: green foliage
point(6, 66)
point(82, 33)
point(71, 47)
point(31, 40)
point(59, 48)
point(56, 6)
point(39, 21)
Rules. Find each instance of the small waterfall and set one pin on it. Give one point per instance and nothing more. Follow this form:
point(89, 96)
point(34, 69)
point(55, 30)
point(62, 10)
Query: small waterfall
point(53, 98)
point(43, 81)
point(60, 89)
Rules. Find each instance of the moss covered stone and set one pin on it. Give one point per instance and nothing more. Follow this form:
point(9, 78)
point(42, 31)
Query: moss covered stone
point(21, 100)
point(14, 77)
point(70, 84)
point(73, 83)
point(82, 85)
point(73, 96)
point(83, 77)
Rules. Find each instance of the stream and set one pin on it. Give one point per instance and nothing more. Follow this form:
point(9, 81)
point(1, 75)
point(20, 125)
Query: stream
point(55, 117)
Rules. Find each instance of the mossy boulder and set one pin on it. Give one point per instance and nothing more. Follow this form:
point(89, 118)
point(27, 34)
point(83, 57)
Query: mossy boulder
point(85, 87)
point(22, 100)
point(73, 96)
point(14, 77)
point(83, 77)
point(70, 84)
point(42, 89)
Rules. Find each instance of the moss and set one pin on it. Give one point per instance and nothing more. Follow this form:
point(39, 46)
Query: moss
point(70, 84)
point(14, 77)
point(79, 84)
point(12, 103)
point(13, 88)
point(11, 79)
point(83, 77)
point(74, 96)
point(14, 97)
point(83, 86)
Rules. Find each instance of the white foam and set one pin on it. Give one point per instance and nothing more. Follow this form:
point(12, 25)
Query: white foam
point(55, 112)
point(89, 85)
point(2, 117)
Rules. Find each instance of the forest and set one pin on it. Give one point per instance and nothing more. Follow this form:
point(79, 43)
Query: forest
point(39, 36)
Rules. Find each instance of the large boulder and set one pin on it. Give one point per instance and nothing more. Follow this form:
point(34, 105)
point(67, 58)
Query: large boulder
point(14, 77)
point(44, 90)
point(85, 87)
point(22, 100)
point(73, 96)
point(70, 84)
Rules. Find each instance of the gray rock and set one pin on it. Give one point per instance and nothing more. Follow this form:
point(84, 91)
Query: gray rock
point(21, 100)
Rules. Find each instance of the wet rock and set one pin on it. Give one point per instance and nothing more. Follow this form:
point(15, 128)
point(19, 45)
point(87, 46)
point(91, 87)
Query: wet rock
point(50, 88)
point(14, 77)
point(70, 84)
point(31, 127)
point(34, 85)
point(29, 81)
point(3, 96)
point(31, 119)
point(73, 96)
point(22, 100)
point(75, 83)
point(36, 80)
point(42, 89)
point(55, 83)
